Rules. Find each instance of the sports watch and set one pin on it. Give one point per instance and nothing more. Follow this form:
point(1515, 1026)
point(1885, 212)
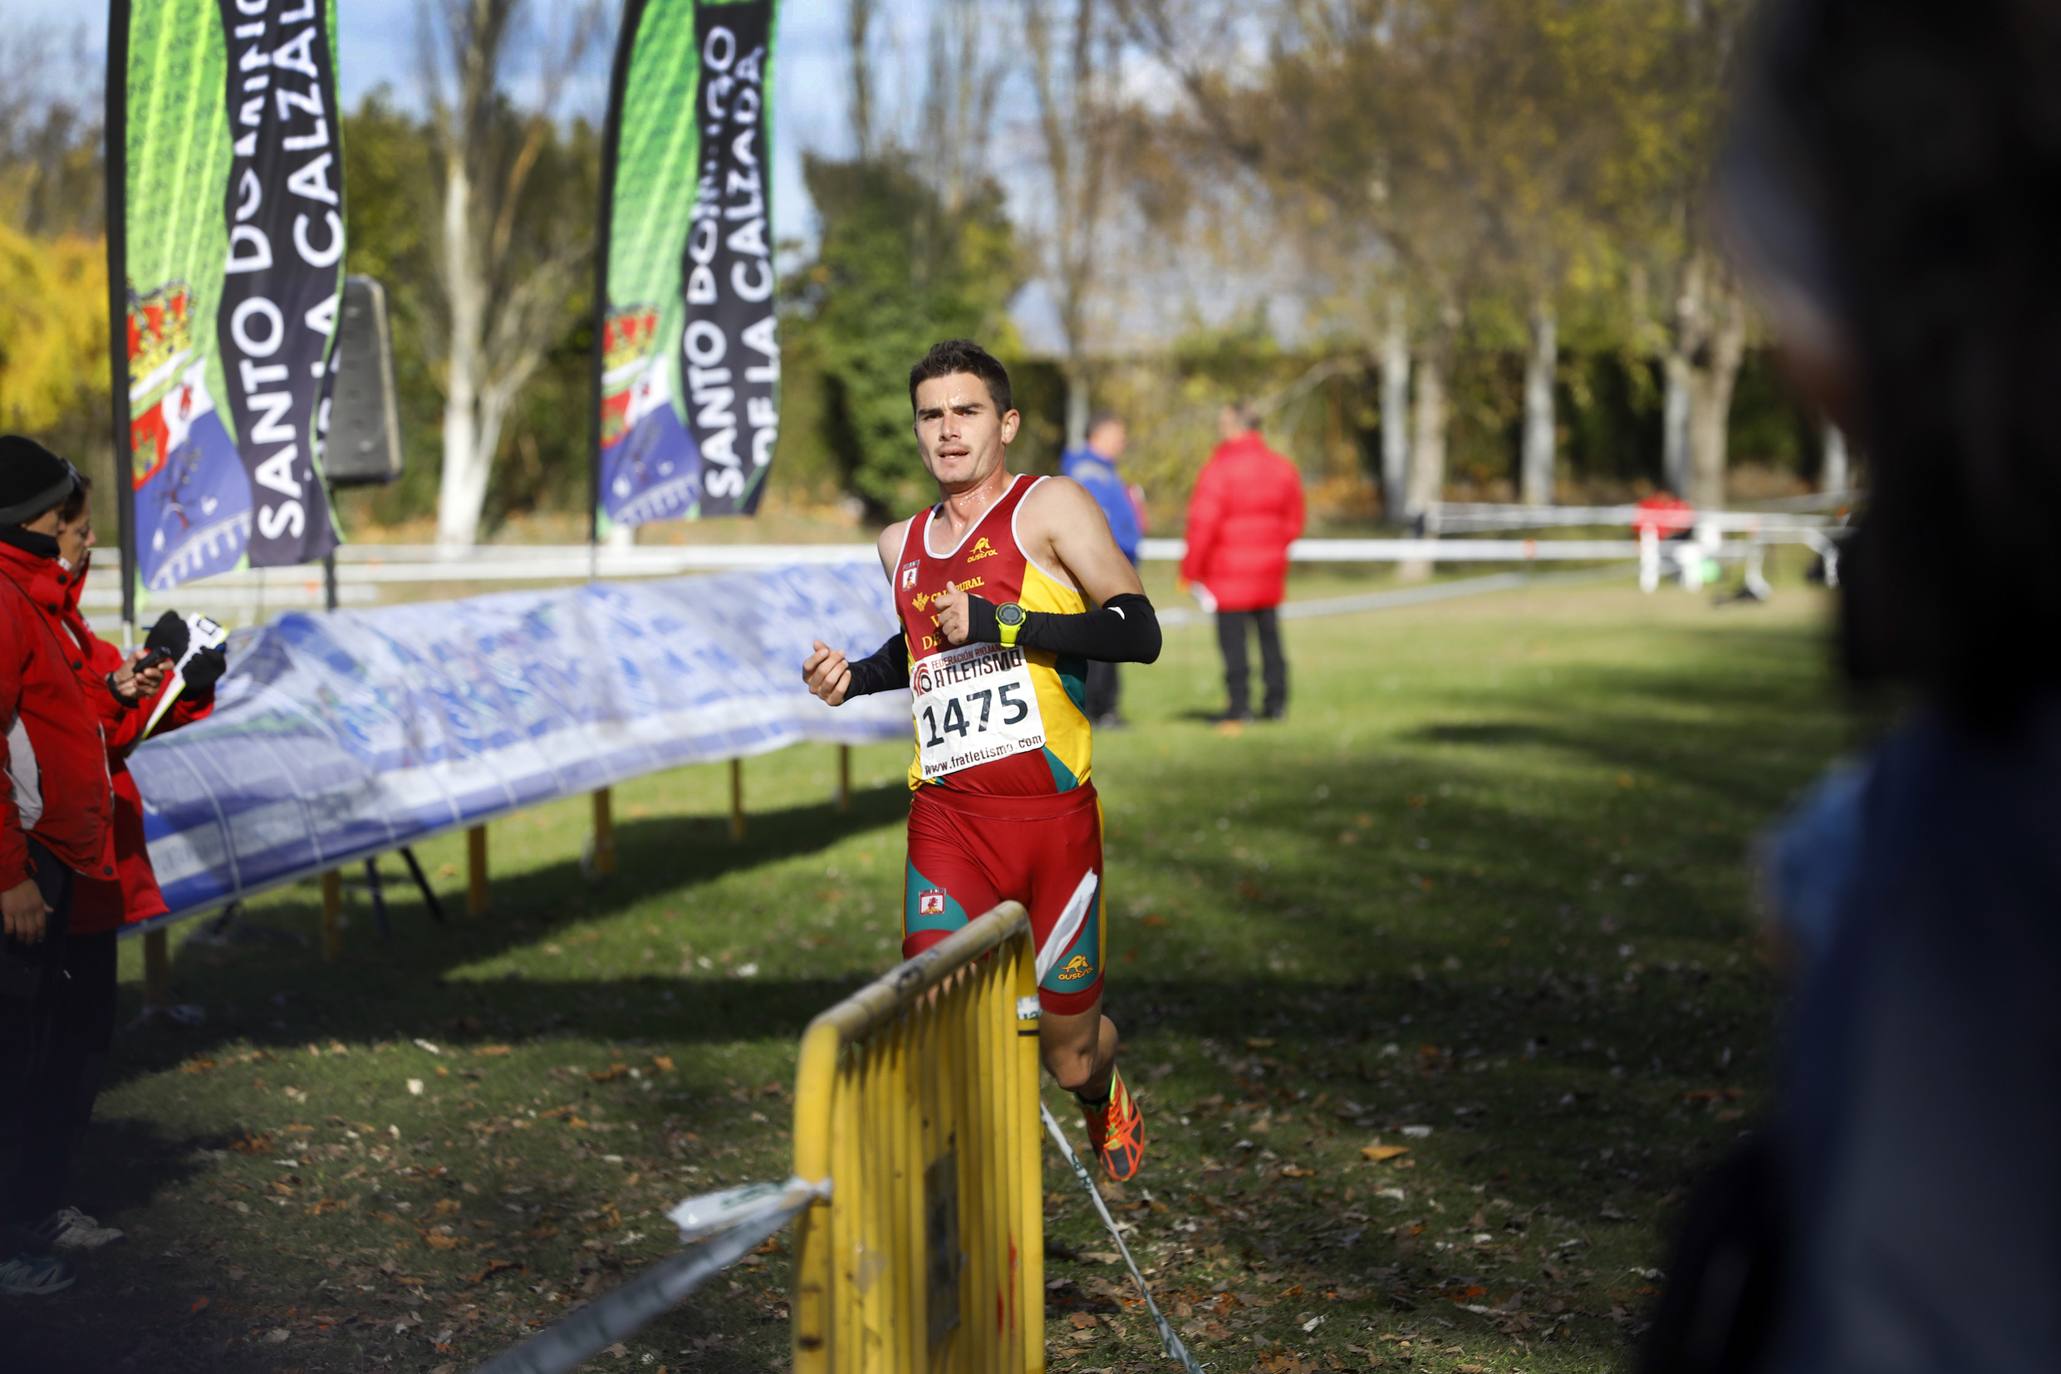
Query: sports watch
point(1009, 618)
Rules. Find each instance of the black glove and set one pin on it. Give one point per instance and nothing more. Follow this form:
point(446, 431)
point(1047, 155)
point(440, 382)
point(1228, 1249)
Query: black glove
point(170, 634)
point(205, 669)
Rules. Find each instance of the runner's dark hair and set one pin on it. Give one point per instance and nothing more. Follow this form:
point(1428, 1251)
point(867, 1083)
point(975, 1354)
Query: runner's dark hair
point(951, 356)
point(1911, 154)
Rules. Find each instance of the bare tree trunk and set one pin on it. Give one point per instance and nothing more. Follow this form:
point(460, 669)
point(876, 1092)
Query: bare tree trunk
point(1712, 341)
point(1834, 473)
point(1710, 404)
point(1071, 57)
point(1681, 345)
point(1674, 425)
point(1395, 407)
point(858, 39)
point(1427, 481)
point(1079, 400)
point(465, 461)
point(1428, 444)
point(497, 333)
point(1535, 471)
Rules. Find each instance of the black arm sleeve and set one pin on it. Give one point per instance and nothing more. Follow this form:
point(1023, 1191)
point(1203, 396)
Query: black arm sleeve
point(1123, 630)
point(884, 671)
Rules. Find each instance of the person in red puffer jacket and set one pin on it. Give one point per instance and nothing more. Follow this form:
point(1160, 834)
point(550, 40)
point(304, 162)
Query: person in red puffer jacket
point(1247, 509)
point(101, 905)
point(55, 825)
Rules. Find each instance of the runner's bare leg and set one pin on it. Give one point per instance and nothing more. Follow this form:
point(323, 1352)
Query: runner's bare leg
point(1079, 1049)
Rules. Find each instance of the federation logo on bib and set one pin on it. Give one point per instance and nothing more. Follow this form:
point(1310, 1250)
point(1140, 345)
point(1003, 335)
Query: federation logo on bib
point(909, 573)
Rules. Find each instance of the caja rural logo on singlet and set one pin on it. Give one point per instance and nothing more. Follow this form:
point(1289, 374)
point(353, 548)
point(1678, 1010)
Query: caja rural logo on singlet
point(923, 599)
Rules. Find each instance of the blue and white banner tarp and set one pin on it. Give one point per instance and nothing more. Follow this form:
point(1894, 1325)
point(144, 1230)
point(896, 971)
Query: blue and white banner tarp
point(343, 734)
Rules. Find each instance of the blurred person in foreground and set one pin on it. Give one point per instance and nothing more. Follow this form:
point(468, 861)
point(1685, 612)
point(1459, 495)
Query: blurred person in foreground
point(84, 1015)
point(1093, 465)
point(55, 824)
point(1247, 509)
point(1890, 185)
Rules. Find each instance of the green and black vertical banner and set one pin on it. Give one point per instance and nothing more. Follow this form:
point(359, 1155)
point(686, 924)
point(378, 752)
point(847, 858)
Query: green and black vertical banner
point(687, 362)
point(225, 268)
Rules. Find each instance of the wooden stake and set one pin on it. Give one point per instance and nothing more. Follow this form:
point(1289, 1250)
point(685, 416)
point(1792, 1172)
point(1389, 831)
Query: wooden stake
point(736, 799)
point(332, 911)
point(604, 833)
point(844, 777)
point(476, 871)
point(157, 969)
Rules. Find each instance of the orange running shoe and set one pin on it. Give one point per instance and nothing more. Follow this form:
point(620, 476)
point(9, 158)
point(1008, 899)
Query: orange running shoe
point(1116, 1130)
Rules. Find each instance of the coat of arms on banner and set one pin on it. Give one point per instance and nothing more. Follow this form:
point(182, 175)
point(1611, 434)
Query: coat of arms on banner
point(192, 498)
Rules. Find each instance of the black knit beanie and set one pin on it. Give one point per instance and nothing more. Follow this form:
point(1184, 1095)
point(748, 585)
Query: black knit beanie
point(32, 479)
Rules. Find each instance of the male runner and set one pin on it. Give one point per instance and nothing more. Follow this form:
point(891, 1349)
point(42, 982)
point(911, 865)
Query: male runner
point(993, 585)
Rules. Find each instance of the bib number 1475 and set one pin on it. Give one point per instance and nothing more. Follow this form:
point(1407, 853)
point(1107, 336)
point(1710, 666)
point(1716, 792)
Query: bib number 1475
point(973, 705)
point(1003, 704)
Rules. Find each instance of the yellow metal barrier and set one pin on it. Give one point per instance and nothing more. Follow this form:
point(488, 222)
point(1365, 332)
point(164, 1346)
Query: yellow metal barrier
point(917, 1098)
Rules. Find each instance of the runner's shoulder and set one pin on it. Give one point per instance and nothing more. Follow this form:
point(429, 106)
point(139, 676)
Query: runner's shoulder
point(1058, 499)
point(889, 545)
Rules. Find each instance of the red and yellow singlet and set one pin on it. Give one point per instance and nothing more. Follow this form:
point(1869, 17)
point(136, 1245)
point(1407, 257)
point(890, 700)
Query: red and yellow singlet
point(990, 721)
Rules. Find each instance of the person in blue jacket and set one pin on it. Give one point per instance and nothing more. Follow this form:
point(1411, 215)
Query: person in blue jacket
point(1093, 465)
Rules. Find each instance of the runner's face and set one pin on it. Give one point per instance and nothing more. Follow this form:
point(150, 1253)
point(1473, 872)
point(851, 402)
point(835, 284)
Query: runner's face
point(958, 432)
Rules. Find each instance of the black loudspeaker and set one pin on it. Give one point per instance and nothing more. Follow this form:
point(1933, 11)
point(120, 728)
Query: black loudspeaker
point(363, 445)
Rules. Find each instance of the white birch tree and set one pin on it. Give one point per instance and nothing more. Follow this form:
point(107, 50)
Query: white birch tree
point(500, 285)
point(1395, 404)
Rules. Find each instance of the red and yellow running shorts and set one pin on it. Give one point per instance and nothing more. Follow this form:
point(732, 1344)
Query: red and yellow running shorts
point(968, 853)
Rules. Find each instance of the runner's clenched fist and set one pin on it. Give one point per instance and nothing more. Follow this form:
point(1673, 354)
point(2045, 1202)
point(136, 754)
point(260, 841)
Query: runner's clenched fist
point(954, 620)
point(828, 674)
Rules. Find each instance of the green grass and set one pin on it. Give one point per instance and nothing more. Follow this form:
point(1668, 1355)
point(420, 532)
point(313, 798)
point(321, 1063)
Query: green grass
point(1489, 879)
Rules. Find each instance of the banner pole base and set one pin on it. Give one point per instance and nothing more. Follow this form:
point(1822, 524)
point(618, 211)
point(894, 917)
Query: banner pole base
point(736, 799)
point(476, 871)
point(604, 833)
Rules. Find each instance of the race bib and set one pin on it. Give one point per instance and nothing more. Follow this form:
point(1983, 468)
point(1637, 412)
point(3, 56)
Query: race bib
point(973, 705)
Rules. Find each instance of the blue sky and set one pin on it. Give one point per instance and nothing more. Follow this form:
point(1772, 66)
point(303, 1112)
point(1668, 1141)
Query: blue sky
point(376, 45)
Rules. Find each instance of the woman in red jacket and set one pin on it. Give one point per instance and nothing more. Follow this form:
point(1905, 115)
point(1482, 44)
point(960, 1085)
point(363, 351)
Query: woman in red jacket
point(1246, 511)
point(55, 825)
point(125, 694)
